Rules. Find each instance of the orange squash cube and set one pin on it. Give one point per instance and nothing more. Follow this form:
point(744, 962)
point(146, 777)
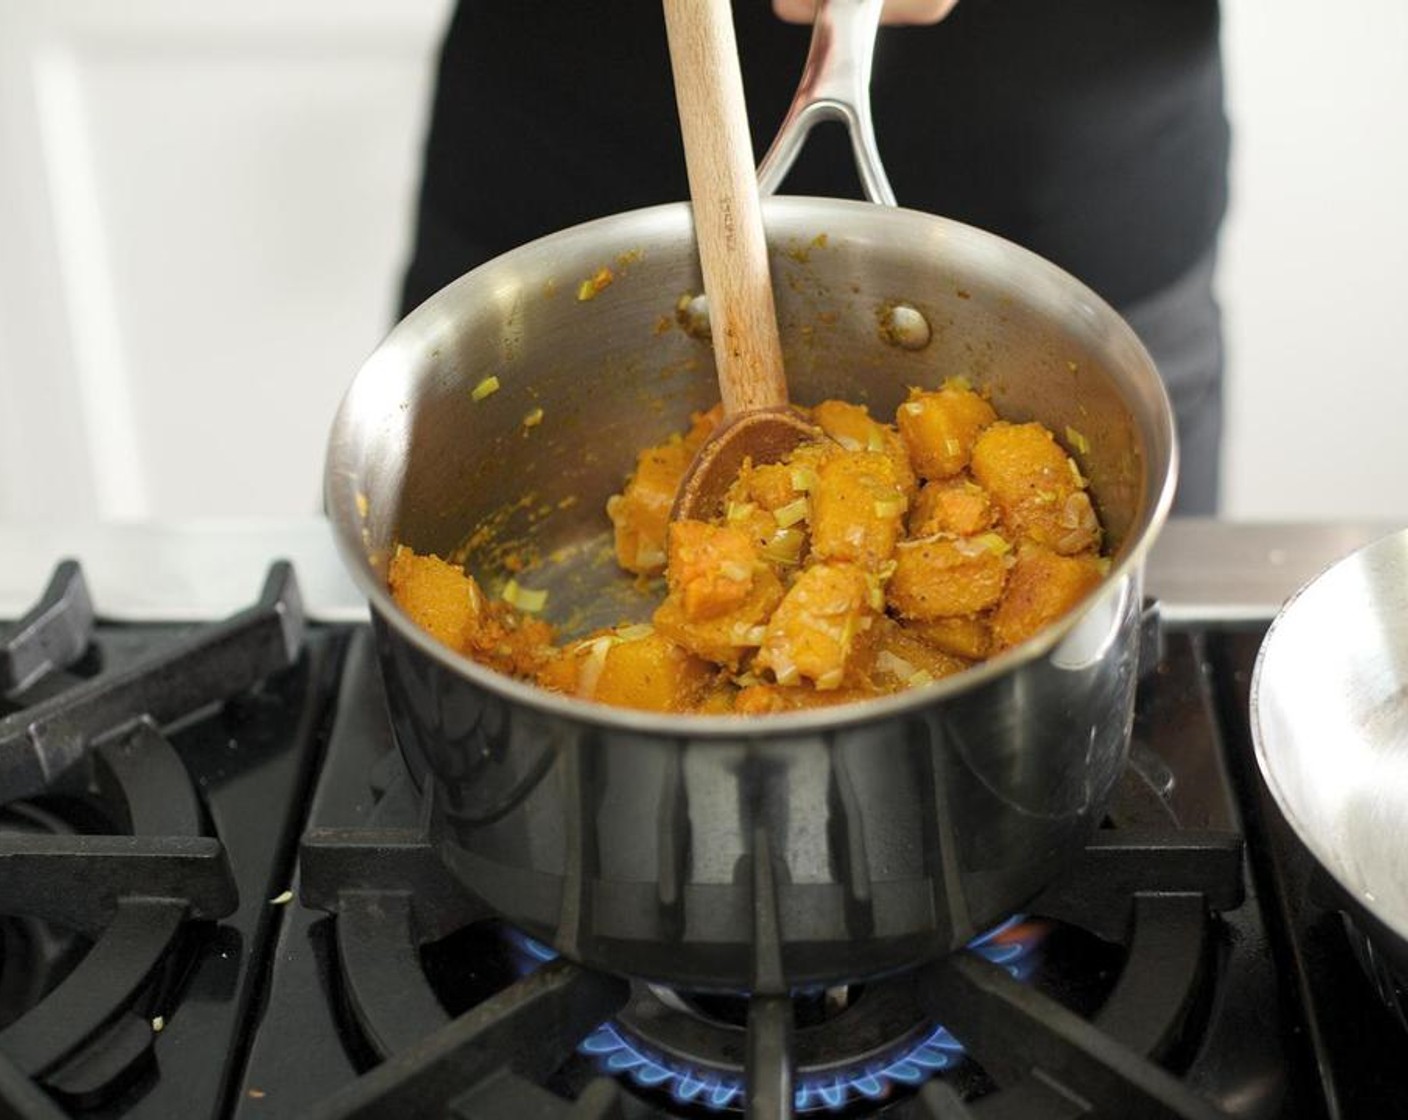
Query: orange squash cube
point(819, 630)
point(940, 577)
point(1036, 487)
point(640, 514)
point(852, 426)
point(653, 674)
point(957, 505)
point(903, 659)
point(711, 568)
point(1043, 586)
point(969, 638)
point(439, 597)
point(726, 638)
point(940, 427)
point(447, 602)
point(631, 667)
point(765, 699)
point(858, 508)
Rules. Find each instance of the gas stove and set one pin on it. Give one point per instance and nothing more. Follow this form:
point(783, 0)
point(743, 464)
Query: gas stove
point(218, 897)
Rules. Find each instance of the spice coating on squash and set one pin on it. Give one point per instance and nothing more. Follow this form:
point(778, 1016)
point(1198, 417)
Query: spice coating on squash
point(819, 630)
point(711, 568)
point(858, 508)
point(1044, 585)
point(955, 505)
point(640, 514)
point(1037, 487)
point(940, 577)
point(880, 558)
point(939, 428)
point(450, 605)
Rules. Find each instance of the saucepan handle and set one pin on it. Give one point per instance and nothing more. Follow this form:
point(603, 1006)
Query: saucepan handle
point(835, 85)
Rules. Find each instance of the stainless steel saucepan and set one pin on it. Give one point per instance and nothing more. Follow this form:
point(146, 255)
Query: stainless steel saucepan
point(1329, 716)
point(729, 853)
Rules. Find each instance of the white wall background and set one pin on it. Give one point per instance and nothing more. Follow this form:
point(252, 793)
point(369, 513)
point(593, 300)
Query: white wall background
point(175, 179)
point(1314, 275)
point(203, 211)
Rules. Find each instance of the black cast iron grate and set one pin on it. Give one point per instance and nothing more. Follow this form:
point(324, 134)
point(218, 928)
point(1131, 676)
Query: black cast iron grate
point(76, 732)
point(1149, 891)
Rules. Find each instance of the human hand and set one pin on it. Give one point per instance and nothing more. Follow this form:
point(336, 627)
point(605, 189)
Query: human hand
point(896, 11)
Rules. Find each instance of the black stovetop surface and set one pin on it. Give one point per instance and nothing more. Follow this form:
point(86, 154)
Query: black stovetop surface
point(168, 949)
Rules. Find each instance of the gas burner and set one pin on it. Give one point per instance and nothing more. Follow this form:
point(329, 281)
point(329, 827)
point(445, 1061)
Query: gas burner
point(858, 1042)
point(694, 1051)
point(439, 1021)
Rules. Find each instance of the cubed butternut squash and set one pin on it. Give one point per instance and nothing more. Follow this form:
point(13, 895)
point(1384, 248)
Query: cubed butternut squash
point(940, 577)
point(640, 514)
point(958, 506)
point(852, 426)
point(857, 509)
point(819, 631)
point(1043, 586)
point(728, 638)
point(1036, 487)
point(439, 597)
point(939, 428)
point(711, 568)
point(905, 660)
point(962, 636)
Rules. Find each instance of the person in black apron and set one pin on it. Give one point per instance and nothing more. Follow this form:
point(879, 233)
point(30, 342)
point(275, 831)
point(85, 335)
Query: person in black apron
point(1091, 132)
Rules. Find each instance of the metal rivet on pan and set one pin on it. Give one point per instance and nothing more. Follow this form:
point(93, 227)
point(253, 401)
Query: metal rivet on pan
point(692, 313)
point(904, 325)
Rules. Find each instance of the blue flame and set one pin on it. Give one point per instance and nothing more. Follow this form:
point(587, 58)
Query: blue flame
point(616, 1052)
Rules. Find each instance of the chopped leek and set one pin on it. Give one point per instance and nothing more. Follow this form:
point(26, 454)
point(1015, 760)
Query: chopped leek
point(887, 662)
point(791, 513)
point(804, 479)
point(893, 505)
point(995, 543)
point(754, 635)
point(648, 556)
point(785, 547)
point(591, 288)
point(525, 599)
point(829, 680)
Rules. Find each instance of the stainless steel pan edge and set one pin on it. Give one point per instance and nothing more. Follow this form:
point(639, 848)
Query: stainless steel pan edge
point(1329, 723)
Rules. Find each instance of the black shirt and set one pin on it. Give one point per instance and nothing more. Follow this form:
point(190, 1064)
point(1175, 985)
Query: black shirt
point(1091, 131)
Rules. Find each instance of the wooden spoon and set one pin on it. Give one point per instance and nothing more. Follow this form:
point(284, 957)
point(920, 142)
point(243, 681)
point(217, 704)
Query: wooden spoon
point(758, 424)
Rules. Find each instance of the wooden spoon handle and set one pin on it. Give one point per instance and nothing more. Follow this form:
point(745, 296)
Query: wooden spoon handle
point(728, 220)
